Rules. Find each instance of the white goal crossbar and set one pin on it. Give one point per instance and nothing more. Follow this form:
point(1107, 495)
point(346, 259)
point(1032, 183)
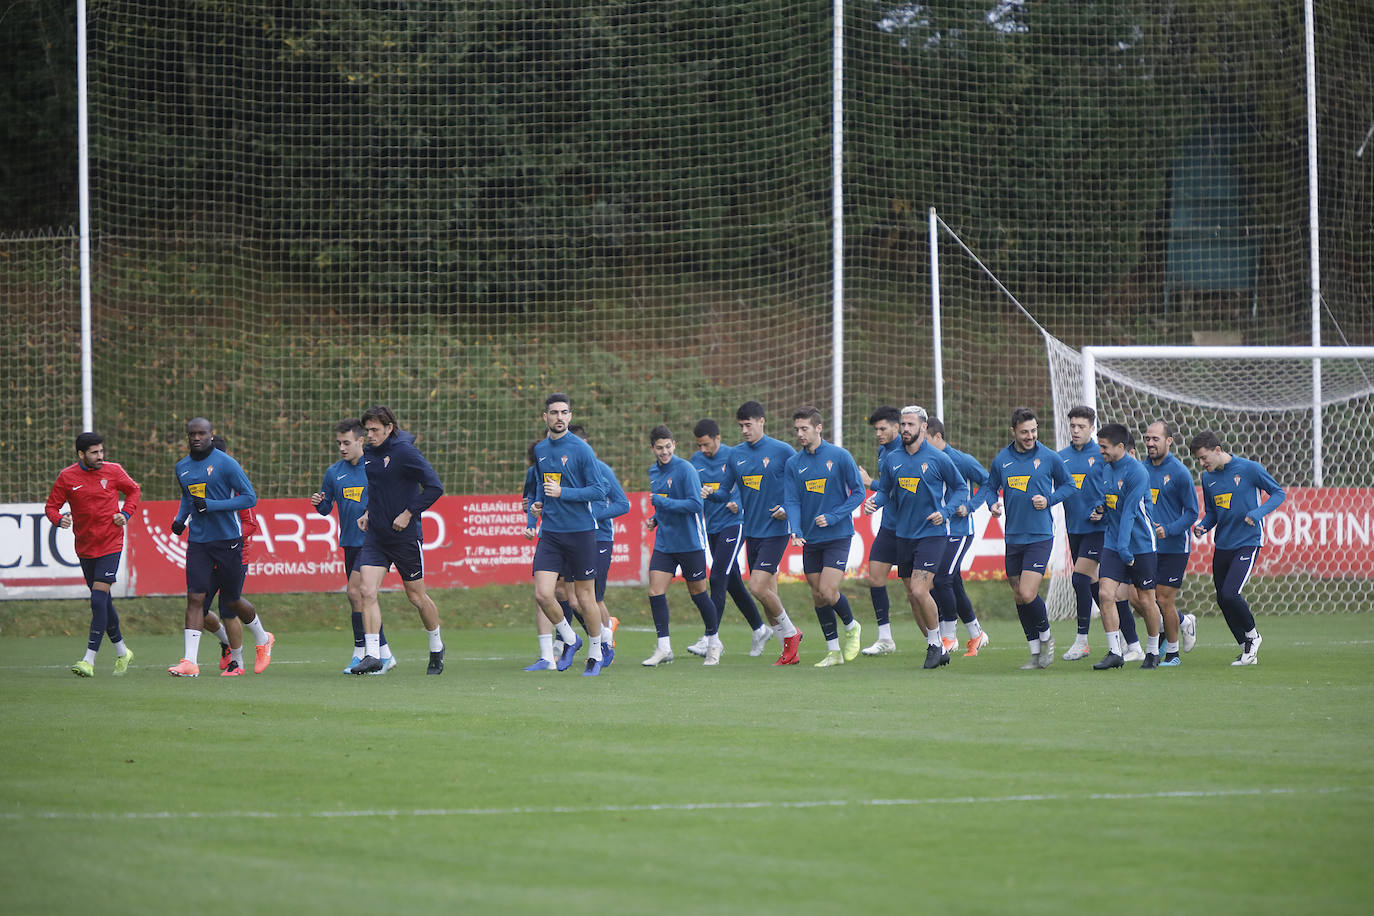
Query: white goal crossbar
point(1090, 355)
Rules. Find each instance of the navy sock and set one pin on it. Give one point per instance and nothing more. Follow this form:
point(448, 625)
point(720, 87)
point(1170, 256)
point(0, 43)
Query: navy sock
point(357, 618)
point(962, 606)
point(709, 618)
point(1123, 611)
point(943, 593)
point(825, 613)
point(111, 619)
point(843, 612)
point(658, 606)
point(881, 605)
point(1040, 615)
point(1083, 597)
point(743, 600)
point(98, 617)
point(1023, 613)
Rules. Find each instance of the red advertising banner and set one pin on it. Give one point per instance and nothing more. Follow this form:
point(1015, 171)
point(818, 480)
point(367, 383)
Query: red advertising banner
point(479, 540)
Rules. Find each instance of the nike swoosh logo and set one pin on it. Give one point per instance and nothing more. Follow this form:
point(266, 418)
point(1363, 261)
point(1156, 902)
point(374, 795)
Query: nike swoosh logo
point(588, 572)
point(602, 550)
point(741, 463)
point(800, 470)
point(184, 473)
point(232, 546)
point(78, 486)
point(340, 477)
point(1008, 464)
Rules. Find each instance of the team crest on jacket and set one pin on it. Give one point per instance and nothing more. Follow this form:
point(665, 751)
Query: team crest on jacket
point(1236, 479)
point(211, 469)
point(1092, 461)
point(1035, 463)
point(386, 461)
point(924, 465)
point(565, 459)
point(829, 465)
point(104, 484)
point(765, 462)
point(1166, 478)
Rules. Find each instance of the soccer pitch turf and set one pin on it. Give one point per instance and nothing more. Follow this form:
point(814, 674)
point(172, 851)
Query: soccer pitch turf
point(871, 788)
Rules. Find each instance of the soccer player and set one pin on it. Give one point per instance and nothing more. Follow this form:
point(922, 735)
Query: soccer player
point(725, 534)
point(887, 550)
point(822, 488)
point(1230, 489)
point(679, 542)
point(950, 596)
point(401, 485)
point(214, 489)
point(615, 505)
point(756, 468)
point(90, 489)
point(345, 485)
point(921, 486)
point(1025, 479)
point(229, 631)
point(1128, 547)
point(1083, 460)
point(568, 487)
point(1174, 510)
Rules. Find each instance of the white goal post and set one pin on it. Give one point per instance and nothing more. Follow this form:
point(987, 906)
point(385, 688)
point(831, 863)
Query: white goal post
point(1091, 355)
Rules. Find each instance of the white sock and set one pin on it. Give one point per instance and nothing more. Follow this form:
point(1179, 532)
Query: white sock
point(372, 644)
point(237, 655)
point(546, 646)
point(594, 647)
point(258, 630)
point(1170, 648)
point(90, 656)
point(436, 642)
point(785, 628)
point(222, 635)
point(947, 630)
point(832, 645)
point(1034, 646)
point(192, 645)
point(565, 632)
point(1046, 636)
point(665, 643)
point(1252, 633)
point(386, 651)
point(933, 638)
point(885, 631)
point(1114, 642)
point(974, 628)
point(1152, 644)
point(1135, 645)
point(120, 648)
point(853, 624)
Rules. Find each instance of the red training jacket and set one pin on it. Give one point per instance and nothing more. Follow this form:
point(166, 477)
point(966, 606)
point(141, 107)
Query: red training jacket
point(93, 497)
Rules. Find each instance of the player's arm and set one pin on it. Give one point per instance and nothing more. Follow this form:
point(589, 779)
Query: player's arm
point(1187, 506)
point(955, 486)
point(691, 503)
point(1269, 485)
point(791, 498)
point(1209, 513)
point(431, 488)
point(857, 492)
point(1136, 499)
point(57, 498)
point(245, 497)
point(132, 492)
point(325, 495)
point(1064, 487)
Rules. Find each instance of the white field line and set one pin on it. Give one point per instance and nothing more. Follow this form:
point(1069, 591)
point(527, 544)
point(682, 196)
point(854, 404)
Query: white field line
point(673, 807)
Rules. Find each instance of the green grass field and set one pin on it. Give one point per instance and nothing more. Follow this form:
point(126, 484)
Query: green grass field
point(871, 788)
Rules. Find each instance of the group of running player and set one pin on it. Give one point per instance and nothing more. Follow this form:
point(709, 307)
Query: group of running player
point(1129, 524)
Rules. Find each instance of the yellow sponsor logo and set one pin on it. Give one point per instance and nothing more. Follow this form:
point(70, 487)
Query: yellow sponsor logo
point(196, 489)
point(713, 487)
point(752, 481)
point(1111, 500)
point(909, 483)
point(1019, 482)
point(1154, 494)
point(816, 486)
point(353, 493)
point(1078, 480)
point(552, 477)
point(1222, 500)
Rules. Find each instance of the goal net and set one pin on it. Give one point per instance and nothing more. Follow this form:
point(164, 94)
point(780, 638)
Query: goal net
point(1319, 545)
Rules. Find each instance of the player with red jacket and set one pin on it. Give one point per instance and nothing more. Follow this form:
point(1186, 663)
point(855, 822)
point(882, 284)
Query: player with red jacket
point(90, 489)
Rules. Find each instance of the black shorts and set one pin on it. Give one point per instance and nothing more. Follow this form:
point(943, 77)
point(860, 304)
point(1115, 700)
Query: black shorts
point(216, 566)
point(605, 552)
point(100, 569)
point(725, 546)
point(952, 562)
point(890, 549)
point(825, 555)
point(1086, 546)
point(693, 563)
point(351, 564)
point(571, 554)
point(926, 553)
point(1170, 569)
point(1034, 557)
point(765, 553)
point(405, 555)
point(1141, 573)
